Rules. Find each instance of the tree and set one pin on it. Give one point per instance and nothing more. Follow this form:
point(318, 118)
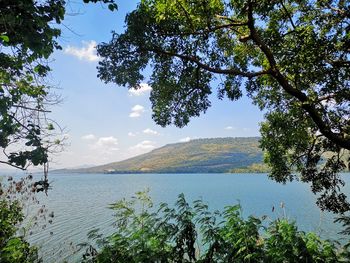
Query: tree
point(292, 57)
point(28, 36)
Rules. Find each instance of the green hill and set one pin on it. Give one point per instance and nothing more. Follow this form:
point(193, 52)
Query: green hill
point(215, 155)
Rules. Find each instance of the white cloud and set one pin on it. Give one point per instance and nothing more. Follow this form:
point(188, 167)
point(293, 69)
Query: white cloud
point(88, 137)
point(131, 134)
point(150, 132)
point(134, 115)
point(136, 111)
point(143, 146)
point(229, 128)
point(86, 52)
point(186, 139)
point(105, 145)
point(143, 88)
point(107, 142)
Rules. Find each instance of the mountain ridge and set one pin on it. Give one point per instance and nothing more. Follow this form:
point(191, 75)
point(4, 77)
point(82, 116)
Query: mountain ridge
point(205, 155)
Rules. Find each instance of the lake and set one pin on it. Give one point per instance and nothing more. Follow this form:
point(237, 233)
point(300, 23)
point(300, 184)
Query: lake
point(80, 201)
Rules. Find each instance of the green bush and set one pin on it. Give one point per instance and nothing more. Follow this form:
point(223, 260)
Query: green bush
point(188, 233)
point(13, 247)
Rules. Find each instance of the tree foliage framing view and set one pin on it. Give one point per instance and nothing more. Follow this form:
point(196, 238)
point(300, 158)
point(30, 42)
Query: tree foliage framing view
point(27, 40)
point(292, 58)
point(28, 36)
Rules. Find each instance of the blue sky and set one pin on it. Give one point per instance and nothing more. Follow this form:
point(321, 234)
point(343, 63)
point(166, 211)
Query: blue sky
point(106, 123)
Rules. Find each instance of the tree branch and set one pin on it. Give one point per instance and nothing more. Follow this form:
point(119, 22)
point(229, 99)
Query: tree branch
point(228, 19)
point(28, 108)
point(205, 30)
point(186, 13)
point(340, 12)
point(20, 123)
point(339, 63)
point(202, 65)
point(289, 17)
point(15, 166)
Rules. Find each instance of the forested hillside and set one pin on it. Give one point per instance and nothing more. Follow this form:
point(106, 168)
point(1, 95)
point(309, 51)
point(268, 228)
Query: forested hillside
point(215, 155)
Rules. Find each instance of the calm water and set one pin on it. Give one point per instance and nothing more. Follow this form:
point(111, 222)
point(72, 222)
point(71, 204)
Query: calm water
point(80, 201)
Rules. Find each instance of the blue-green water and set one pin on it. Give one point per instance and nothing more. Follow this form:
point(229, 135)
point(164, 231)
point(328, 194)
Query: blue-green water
point(79, 202)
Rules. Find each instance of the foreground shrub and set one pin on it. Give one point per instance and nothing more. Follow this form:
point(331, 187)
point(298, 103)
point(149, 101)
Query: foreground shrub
point(13, 246)
point(188, 233)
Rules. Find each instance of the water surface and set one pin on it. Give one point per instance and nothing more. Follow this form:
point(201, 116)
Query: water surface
point(80, 201)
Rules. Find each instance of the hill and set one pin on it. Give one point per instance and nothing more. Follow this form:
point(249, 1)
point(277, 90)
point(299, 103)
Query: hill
point(215, 155)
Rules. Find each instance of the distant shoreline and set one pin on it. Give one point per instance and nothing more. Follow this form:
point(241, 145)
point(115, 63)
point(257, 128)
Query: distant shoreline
point(155, 172)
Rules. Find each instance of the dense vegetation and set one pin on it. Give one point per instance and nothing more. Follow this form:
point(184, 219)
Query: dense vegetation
point(215, 155)
point(291, 57)
point(253, 168)
point(195, 234)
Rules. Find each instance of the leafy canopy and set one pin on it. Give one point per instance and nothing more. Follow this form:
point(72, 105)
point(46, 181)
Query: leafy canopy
point(291, 57)
point(27, 39)
point(28, 36)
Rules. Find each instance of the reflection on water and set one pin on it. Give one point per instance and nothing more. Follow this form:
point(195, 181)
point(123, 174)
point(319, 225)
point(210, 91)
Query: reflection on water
point(80, 202)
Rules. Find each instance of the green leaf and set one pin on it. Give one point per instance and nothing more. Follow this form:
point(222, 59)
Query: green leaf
point(5, 38)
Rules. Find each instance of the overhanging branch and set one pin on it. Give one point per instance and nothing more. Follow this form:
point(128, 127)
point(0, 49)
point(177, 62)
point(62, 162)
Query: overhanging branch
point(205, 30)
point(15, 166)
point(205, 66)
